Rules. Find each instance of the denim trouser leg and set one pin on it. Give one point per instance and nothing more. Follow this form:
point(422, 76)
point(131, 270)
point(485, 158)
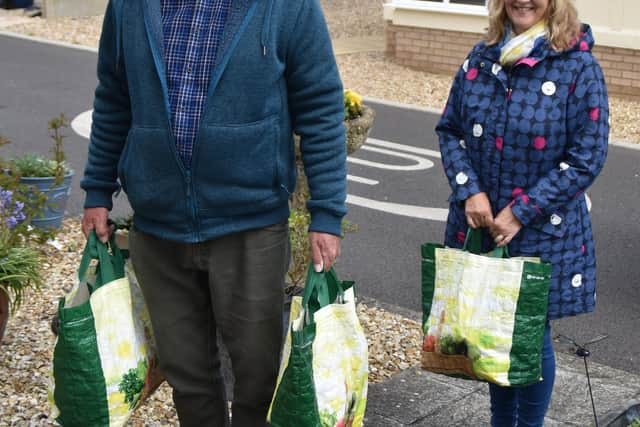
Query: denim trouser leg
point(525, 406)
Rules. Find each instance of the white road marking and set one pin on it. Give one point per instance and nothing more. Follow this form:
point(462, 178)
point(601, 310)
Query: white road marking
point(362, 180)
point(436, 214)
point(420, 162)
point(81, 124)
point(403, 147)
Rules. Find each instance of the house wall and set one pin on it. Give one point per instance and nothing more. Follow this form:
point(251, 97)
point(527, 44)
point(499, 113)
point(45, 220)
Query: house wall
point(436, 37)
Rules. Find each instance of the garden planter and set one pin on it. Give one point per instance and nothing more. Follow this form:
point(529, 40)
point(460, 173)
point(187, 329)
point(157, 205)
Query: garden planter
point(57, 195)
point(4, 313)
point(358, 129)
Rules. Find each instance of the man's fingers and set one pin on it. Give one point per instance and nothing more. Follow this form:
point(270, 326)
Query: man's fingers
point(325, 248)
point(329, 257)
point(96, 218)
point(316, 257)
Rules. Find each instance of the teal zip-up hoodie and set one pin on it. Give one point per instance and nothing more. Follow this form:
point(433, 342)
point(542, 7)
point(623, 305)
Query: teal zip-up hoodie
point(275, 74)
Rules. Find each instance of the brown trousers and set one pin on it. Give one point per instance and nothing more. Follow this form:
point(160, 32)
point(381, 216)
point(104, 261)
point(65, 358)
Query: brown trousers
point(233, 286)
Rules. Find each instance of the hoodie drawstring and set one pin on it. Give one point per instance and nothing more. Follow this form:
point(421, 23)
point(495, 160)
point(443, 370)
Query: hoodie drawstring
point(266, 24)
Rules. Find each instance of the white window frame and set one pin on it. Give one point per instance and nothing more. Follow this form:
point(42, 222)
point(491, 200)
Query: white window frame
point(444, 7)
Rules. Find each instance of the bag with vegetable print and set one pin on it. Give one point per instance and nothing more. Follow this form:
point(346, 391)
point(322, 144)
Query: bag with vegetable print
point(324, 369)
point(103, 363)
point(483, 315)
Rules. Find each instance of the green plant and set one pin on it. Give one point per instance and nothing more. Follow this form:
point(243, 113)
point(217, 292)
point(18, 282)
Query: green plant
point(19, 263)
point(31, 199)
point(37, 166)
point(132, 383)
point(635, 422)
point(55, 125)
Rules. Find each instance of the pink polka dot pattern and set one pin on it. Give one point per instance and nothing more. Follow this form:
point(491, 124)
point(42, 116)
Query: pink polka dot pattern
point(499, 143)
point(539, 142)
point(472, 74)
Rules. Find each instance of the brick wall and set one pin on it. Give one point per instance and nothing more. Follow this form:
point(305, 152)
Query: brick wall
point(442, 51)
point(621, 69)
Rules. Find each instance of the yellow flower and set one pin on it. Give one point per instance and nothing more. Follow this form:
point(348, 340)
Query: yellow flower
point(352, 104)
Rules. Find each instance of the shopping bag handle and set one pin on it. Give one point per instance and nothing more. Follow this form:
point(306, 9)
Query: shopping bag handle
point(110, 260)
point(473, 244)
point(321, 289)
point(500, 252)
point(473, 241)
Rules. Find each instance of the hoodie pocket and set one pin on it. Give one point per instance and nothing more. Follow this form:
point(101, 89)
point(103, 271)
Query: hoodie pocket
point(151, 176)
point(236, 169)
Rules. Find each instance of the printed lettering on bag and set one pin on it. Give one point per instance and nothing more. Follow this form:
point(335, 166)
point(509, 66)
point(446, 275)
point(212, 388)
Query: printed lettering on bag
point(531, 276)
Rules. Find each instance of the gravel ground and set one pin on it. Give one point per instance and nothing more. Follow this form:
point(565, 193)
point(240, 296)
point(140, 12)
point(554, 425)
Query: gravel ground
point(26, 350)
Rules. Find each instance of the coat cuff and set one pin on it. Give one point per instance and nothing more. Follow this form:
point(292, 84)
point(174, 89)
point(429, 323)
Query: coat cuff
point(524, 210)
point(463, 187)
point(325, 222)
point(98, 199)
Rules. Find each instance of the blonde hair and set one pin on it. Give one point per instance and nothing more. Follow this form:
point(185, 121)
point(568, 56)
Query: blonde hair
point(561, 22)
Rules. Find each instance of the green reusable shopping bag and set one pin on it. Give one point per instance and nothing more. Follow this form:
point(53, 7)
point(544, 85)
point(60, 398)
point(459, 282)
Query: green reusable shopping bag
point(483, 314)
point(102, 354)
point(324, 369)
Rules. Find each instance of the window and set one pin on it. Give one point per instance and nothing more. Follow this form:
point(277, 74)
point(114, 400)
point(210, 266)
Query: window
point(466, 2)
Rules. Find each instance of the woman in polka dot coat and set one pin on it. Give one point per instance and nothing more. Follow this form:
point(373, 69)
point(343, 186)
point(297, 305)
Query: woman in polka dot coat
point(523, 135)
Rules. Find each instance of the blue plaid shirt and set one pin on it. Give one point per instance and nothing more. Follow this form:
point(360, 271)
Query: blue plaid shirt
point(192, 32)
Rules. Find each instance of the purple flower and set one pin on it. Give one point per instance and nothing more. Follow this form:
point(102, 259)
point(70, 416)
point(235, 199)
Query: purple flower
point(11, 222)
point(5, 198)
point(14, 210)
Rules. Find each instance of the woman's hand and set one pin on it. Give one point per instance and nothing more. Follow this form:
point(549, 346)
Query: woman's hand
point(477, 209)
point(505, 227)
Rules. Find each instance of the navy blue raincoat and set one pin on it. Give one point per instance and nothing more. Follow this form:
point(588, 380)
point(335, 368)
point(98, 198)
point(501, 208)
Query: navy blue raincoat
point(533, 136)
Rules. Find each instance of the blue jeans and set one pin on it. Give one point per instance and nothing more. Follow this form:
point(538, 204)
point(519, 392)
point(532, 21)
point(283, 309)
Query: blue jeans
point(525, 406)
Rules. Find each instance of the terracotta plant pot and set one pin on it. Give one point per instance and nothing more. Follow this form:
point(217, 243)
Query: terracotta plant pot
point(4, 313)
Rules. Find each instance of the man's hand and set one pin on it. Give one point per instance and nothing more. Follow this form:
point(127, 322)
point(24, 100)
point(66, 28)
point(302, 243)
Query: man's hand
point(96, 218)
point(477, 209)
point(325, 248)
point(505, 227)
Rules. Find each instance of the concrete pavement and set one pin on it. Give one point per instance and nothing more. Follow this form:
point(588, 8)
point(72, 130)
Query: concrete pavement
point(422, 399)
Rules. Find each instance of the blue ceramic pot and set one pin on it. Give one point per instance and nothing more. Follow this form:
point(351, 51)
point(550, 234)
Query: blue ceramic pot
point(57, 196)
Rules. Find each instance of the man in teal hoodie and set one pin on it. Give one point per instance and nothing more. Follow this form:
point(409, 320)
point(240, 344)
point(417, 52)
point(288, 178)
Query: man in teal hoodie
point(193, 118)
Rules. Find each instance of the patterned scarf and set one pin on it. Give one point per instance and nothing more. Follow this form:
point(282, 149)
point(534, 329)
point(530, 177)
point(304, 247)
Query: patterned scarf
point(520, 46)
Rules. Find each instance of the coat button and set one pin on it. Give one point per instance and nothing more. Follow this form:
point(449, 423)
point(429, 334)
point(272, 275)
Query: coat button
point(564, 166)
point(549, 88)
point(462, 178)
point(555, 219)
point(576, 281)
point(477, 130)
point(482, 65)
